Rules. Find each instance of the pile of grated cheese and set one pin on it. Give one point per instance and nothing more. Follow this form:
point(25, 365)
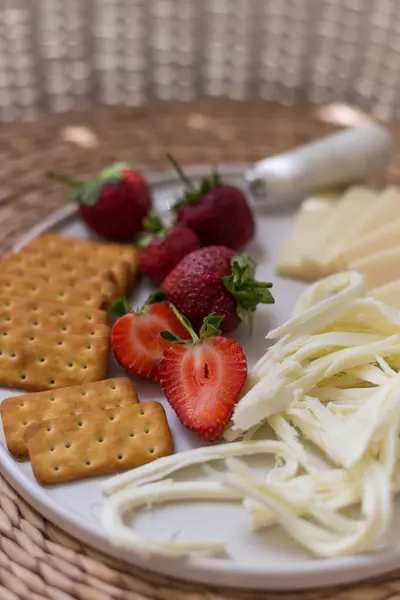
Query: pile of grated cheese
point(330, 382)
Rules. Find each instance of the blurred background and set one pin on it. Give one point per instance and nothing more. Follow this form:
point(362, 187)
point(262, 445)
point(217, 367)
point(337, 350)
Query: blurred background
point(60, 55)
point(87, 82)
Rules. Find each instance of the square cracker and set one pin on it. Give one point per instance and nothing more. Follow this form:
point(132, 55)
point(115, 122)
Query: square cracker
point(29, 287)
point(52, 316)
point(109, 254)
point(18, 412)
point(40, 321)
point(98, 443)
point(71, 283)
point(37, 361)
point(48, 266)
point(46, 309)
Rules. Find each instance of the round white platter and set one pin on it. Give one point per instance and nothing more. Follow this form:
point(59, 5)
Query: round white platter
point(267, 560)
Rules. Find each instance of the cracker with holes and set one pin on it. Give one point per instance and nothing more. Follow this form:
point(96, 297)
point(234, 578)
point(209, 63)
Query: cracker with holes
point(98, 443)
point(55, 324)
point(51, 316)
point(108, 289)
point(46, 309)
point(108, 254)
point(82, 267)
point(83, 295)
point(32, 360)
point(18, 412)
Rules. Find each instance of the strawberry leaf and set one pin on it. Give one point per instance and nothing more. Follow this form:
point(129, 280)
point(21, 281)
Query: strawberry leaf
point(114, 172)
point(171, 337)
point(247, 291)
point(192, 194)
point(210, 326)
point(143, 240)
point(89, 193)
point(215, 178)
point(153, 224)
point(120, 307)
point(155, 298)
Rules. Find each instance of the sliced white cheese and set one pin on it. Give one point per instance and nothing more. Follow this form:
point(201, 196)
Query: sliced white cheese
point(342, 227)
point(375, 209)
point(313, 214)
point(384, 238)
point(344, 221)
point(380, 268)
point(378, 229)
point(389, 293)
point(383, 212)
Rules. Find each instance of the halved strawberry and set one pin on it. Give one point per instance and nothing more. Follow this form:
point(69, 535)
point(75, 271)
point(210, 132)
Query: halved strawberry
point(135, 337)
point(202, 379)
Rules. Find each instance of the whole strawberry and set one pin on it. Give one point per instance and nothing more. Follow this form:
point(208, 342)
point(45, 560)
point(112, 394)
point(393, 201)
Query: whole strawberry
point(202, 378)
point(218, 213)
point(162, 249)
point(113, 204)
point(216, 280)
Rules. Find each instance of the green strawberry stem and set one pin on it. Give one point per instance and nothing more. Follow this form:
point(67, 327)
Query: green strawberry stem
point(121, 307)
point(88, 192)
point(193, 194)
point(67, 181)
point(209, 328)
point(153, 224)
point(247, 291)
point(182, 175)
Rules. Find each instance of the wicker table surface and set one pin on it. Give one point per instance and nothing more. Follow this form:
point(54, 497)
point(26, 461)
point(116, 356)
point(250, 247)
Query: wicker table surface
point(37, 560)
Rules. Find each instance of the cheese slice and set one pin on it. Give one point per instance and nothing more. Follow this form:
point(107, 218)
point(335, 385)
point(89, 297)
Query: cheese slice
point(382, 212)
point(341, 228)
point(380, 268)
point(384, 238)
point(311, 216)
point(344, 222)
point(389, 293)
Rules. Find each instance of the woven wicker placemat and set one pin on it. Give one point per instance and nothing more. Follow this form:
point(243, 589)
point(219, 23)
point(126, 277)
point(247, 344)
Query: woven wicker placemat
point(37, 560)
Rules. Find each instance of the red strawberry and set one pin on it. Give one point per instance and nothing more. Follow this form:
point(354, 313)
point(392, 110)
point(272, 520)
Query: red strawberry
point(218, 213)
point(215, 279)
point(113, 204)
point(162, 249)
point(202, 379)
point(135, 337)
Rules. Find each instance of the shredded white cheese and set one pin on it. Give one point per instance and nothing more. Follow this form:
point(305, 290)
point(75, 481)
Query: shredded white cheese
point(331, 381)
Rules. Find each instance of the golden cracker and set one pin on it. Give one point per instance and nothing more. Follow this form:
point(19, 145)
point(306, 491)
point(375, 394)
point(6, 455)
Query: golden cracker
point(41, 321)
point(82, 295)
point(99, 442)
point(54, 241)
point(108, 253)
point(18, 412)
point(42, 264)
point(45, 309)
point(108, 289)
point(37, 361)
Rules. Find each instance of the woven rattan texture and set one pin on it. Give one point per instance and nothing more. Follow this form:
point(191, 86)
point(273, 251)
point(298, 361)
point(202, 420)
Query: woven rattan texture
point(37, 560)
point(58, 55)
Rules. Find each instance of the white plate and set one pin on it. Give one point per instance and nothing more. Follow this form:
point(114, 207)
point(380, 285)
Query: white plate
point(267, 560)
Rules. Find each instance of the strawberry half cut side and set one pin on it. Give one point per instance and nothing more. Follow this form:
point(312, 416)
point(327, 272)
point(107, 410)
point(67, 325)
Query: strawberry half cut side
point(135, 337)
point(202, 379)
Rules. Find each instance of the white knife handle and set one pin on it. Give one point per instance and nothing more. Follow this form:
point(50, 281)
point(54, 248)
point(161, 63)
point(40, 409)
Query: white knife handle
point(351, 156)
